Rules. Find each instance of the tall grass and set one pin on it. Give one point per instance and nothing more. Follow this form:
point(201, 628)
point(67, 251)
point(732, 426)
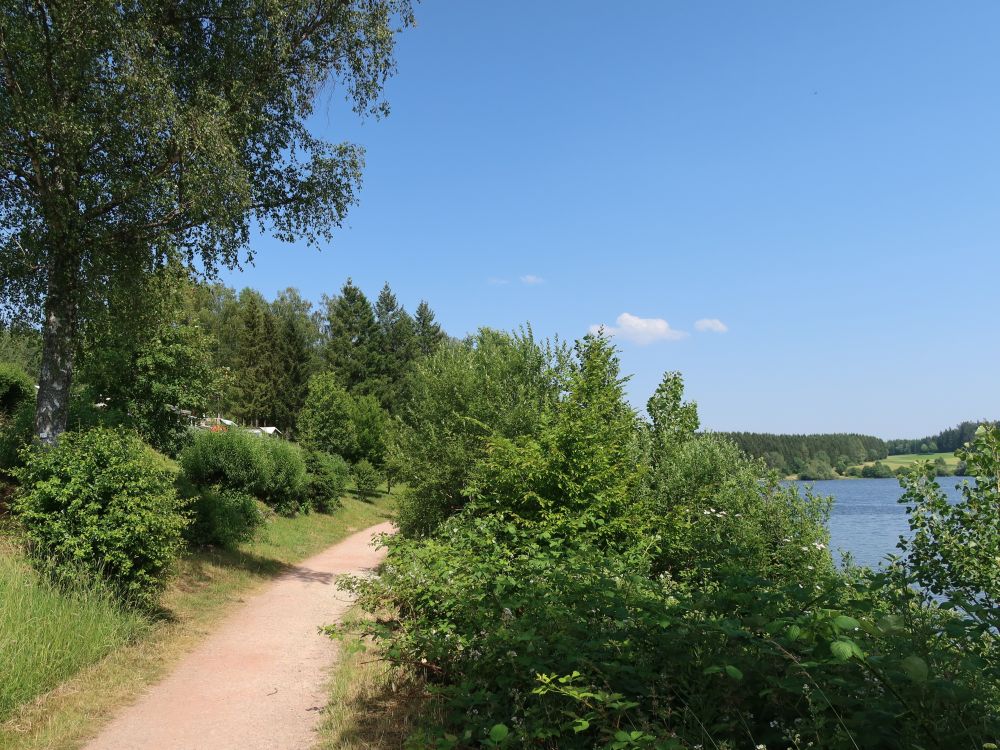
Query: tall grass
point(48, 634)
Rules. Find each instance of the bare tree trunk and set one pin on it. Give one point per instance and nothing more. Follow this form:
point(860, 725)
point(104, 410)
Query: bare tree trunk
point(59, 339)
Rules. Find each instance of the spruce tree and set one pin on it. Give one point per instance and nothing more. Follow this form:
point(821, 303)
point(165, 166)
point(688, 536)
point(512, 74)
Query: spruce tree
point(295, 347)
point(427, 330)
point(254, 360)
point(397, 349)
point(350, 348)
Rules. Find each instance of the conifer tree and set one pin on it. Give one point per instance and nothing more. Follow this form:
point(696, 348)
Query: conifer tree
point(397, 349)
point(254, 360)
point(350, 348)
point(295, 347)
point(427, 330)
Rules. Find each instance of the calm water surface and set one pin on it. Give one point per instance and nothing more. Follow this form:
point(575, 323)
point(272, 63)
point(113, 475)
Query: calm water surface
point(867, 520)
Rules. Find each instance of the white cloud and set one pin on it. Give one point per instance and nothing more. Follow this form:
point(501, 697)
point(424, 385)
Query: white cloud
point(497, 281)
point(531, 279)
point(710, 324)
point(641, 331)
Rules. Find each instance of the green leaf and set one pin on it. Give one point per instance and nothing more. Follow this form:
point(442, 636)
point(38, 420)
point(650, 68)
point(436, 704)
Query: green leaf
point(793, 633)
point(916, 668)
point(499, 733)
point(734, 672)
point(891, 624)
point(842, 650)
point(846, 623)
point(581, 725)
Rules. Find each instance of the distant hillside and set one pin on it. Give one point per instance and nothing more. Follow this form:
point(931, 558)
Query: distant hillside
point(792, 454)
point(946, 441)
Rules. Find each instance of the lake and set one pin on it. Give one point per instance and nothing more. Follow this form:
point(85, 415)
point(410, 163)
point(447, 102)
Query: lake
point(867, 520)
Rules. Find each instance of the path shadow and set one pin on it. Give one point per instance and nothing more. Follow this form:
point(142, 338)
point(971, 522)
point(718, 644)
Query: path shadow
point(308, 575)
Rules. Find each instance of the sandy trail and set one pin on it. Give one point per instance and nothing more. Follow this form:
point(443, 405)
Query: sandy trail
point(258, 681)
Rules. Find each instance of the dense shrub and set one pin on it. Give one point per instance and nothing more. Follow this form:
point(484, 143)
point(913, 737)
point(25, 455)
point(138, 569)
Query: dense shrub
point(97, 504)
point(686, 600)
point(223, 517)
point(366, 478)
point(17, 413)
point(495, 385)
point(284, 487)
point(272, 470)
point(16, 430)
point(16, 387)
point(877, 470)
point(325, 419)
point(234, 459)
point(326, 479)
point(342, 423)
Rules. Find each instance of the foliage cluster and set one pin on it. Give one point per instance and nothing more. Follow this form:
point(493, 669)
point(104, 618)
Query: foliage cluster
point(339, 422)
point(946, 441)
point(98, 505)
point(326, 480)
point(602, 581)
point(17, 392)
point(365, 477)
point(235, 460)
point(493, 384)
point(144, 368)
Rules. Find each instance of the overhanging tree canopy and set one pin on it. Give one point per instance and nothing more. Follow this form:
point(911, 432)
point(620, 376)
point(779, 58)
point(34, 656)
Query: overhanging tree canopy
point(131, 131)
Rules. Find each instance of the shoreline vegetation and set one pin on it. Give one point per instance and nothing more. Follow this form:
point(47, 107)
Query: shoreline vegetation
point(853, 456)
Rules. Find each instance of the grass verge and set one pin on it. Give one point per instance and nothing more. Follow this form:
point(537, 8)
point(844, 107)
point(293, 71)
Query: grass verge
point(372, 705)
point(206, 586)
point(48, 634)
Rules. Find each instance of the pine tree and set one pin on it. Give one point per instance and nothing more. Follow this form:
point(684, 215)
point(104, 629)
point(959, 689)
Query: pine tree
point(350, 348)
point(427, 330)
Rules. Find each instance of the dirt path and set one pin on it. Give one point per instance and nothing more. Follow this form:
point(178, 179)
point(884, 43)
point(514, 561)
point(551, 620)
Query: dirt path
point(258, 681)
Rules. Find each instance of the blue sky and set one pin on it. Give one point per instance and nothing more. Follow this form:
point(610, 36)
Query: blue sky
point(822, 179)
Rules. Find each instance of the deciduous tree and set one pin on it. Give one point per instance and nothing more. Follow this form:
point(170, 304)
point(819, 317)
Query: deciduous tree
point(130, 131)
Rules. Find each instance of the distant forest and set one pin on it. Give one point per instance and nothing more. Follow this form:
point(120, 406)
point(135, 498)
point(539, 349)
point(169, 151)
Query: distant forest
point(946, 441)
point(808, 454)
point(792, 454)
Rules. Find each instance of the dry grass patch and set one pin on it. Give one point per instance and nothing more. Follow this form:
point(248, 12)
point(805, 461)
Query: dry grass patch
point(372, 704)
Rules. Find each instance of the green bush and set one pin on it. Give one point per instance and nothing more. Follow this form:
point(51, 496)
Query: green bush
point(97, 504)
point(284, 486)
point(494, 385)
point(223, 517)
point(687, 600)
point(326, 479)
point(17, 413)
point(233, 459)
point(877, 470)
point(325, 419)
point(16, 431)
point(16, 387)
point(366, 478)
point(271, 470)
